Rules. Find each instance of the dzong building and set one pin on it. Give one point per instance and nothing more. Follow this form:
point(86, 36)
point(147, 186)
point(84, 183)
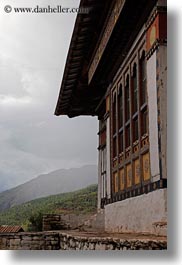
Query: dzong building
point(116, 69)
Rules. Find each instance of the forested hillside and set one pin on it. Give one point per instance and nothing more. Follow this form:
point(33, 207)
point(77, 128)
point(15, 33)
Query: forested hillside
point(82, 201)
point(56, 182)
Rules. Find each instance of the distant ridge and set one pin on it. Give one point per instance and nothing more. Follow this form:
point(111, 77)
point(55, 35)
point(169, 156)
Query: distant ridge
point(83, 201)
point(56, 182)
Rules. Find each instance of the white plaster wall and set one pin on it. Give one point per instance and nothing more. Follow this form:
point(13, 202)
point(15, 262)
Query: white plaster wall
point(108, 158)
point(145, 213)
point(152, 106)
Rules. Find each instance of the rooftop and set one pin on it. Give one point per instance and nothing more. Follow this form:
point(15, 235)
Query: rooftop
point(87, 75)
point(10, 229)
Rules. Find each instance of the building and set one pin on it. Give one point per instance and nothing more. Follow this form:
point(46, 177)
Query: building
point(10, 229)
point(116, 69)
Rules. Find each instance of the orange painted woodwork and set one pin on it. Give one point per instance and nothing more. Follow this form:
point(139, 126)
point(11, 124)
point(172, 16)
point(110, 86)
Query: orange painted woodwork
point(129, 175)
point(146, 166)
point(137, 171)
point(121, 178)
point(157, 30)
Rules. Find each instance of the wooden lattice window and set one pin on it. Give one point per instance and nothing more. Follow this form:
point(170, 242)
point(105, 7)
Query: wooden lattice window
point(143, 80)
point(127, 100)
point(134, 90)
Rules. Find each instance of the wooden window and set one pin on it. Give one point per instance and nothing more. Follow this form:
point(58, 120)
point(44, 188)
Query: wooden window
point(103, 161)
point(134, 90)
point(104, 185)
point(114, 118)
point(144, 121)
point(143, 96)
point(114, 147)
point(134, 99)
point(120, 107)
point(129, 126)
point(143, 81)
point(127, 136)
point(102, 138)
point(135, 129)
point(114, 124)
point(121, 142)
point(127, 100)
point(120, 119)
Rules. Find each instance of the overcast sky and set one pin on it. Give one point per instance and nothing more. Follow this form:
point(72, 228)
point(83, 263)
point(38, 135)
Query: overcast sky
point(33, 50)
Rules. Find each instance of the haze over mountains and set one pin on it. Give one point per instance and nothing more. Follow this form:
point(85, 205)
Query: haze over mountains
point(59, 181)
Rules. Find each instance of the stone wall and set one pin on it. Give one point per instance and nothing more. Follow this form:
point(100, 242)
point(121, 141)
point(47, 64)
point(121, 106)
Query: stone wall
point(54, 222)
point(65, 241)
point(145, 213)
point(68, 242)
point(73, 221)
point(30, 241)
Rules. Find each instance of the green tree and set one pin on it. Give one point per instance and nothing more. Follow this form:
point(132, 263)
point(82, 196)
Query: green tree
point(35, 222)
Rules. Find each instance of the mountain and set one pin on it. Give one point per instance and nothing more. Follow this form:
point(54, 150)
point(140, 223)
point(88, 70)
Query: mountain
point(8, 181)
point(56, 182)
point(83, 201)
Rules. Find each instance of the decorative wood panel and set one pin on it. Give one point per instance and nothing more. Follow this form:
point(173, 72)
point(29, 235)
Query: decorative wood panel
point(146, 166)
point(136, 146)
point(137, 171)
point(157, 31)
point(115, 162)
point(160, 184)
point(128, 152)
point(105, 38)
point(121, 178)
point(129, 175)
point(153, 33)
point(121, 157)
point(144, 140)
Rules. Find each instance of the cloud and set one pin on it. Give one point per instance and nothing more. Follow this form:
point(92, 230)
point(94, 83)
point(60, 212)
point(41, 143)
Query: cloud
point(33, 50)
